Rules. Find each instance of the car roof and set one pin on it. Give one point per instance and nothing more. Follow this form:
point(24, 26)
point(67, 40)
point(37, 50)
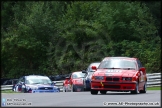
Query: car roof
point(77, 72)
point(36, 75)
point(33, 76)
point(132, 58)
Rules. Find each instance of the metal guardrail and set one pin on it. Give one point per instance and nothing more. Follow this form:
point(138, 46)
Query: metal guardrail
point(152, 80)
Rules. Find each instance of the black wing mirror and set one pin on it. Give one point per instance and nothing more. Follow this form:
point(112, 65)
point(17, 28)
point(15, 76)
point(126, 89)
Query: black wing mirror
point(83, 71)
point(53, 83)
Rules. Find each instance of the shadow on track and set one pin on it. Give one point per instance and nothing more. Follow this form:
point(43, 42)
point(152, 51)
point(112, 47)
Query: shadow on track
point(121, 93)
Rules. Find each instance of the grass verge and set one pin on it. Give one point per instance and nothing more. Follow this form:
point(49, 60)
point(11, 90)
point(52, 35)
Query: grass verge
point(8, 91)
point(154, 88)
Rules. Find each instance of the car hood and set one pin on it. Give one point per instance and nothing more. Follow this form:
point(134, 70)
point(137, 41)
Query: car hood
point(115, 72)
point(39, 85)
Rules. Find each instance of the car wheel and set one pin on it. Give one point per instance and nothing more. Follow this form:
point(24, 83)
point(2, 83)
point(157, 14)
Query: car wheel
point(103, 92)
point(85, 89)
point(144, 88)
point(82, 89)
point(94, 92)
point(136, 91)
point(85, 86)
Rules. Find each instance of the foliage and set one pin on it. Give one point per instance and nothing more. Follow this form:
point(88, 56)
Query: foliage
point(57, 37)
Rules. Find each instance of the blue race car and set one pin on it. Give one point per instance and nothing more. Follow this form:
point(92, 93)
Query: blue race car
point(35, 84)
point(89, 71)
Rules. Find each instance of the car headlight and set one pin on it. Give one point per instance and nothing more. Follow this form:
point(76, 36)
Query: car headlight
point(98, 78)
point(79, 81)
point(127, 78)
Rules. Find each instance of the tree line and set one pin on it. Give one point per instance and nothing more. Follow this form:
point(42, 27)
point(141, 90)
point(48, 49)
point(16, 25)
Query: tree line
point(59, 37)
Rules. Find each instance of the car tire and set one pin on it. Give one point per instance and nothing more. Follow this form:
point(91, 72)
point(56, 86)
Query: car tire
point(144, 88)
point(85, 89)
point(136, 91)
point(94, 92)
point(103, 92)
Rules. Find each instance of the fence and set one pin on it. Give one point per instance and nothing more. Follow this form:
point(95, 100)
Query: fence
point(152, 80)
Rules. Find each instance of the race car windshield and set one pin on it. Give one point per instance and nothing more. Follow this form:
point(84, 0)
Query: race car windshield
point(118, 64)
point(38, 81)
point(78, 75)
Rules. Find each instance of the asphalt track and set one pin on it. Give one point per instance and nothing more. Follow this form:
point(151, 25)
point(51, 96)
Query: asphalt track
point(73, 99)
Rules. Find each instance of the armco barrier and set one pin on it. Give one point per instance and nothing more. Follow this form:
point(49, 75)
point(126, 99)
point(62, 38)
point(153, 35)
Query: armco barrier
point(153, 79)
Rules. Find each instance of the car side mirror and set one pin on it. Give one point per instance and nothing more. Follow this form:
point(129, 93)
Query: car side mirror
point(83, 71)
point(53, 83)
point(94, 68)
point(142, 69)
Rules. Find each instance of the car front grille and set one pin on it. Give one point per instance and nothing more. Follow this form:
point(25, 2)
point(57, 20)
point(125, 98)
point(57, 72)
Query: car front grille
point(108, 78)
point(112, 86)
point(46, 88)
point(112, 79)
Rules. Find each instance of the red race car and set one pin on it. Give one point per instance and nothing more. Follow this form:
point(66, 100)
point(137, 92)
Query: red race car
point(119, 74)
point(74, 83)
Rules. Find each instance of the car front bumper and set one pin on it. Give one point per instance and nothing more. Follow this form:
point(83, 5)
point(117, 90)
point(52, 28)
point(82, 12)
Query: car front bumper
point(78, 87)
point(44, 91)
point(113, 86)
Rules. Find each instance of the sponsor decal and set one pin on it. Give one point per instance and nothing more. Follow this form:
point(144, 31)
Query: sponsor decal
point(102, 84)
point(108, 71)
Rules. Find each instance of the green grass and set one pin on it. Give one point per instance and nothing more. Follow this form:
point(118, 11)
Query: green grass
point(153, 88)
point(8, 91)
